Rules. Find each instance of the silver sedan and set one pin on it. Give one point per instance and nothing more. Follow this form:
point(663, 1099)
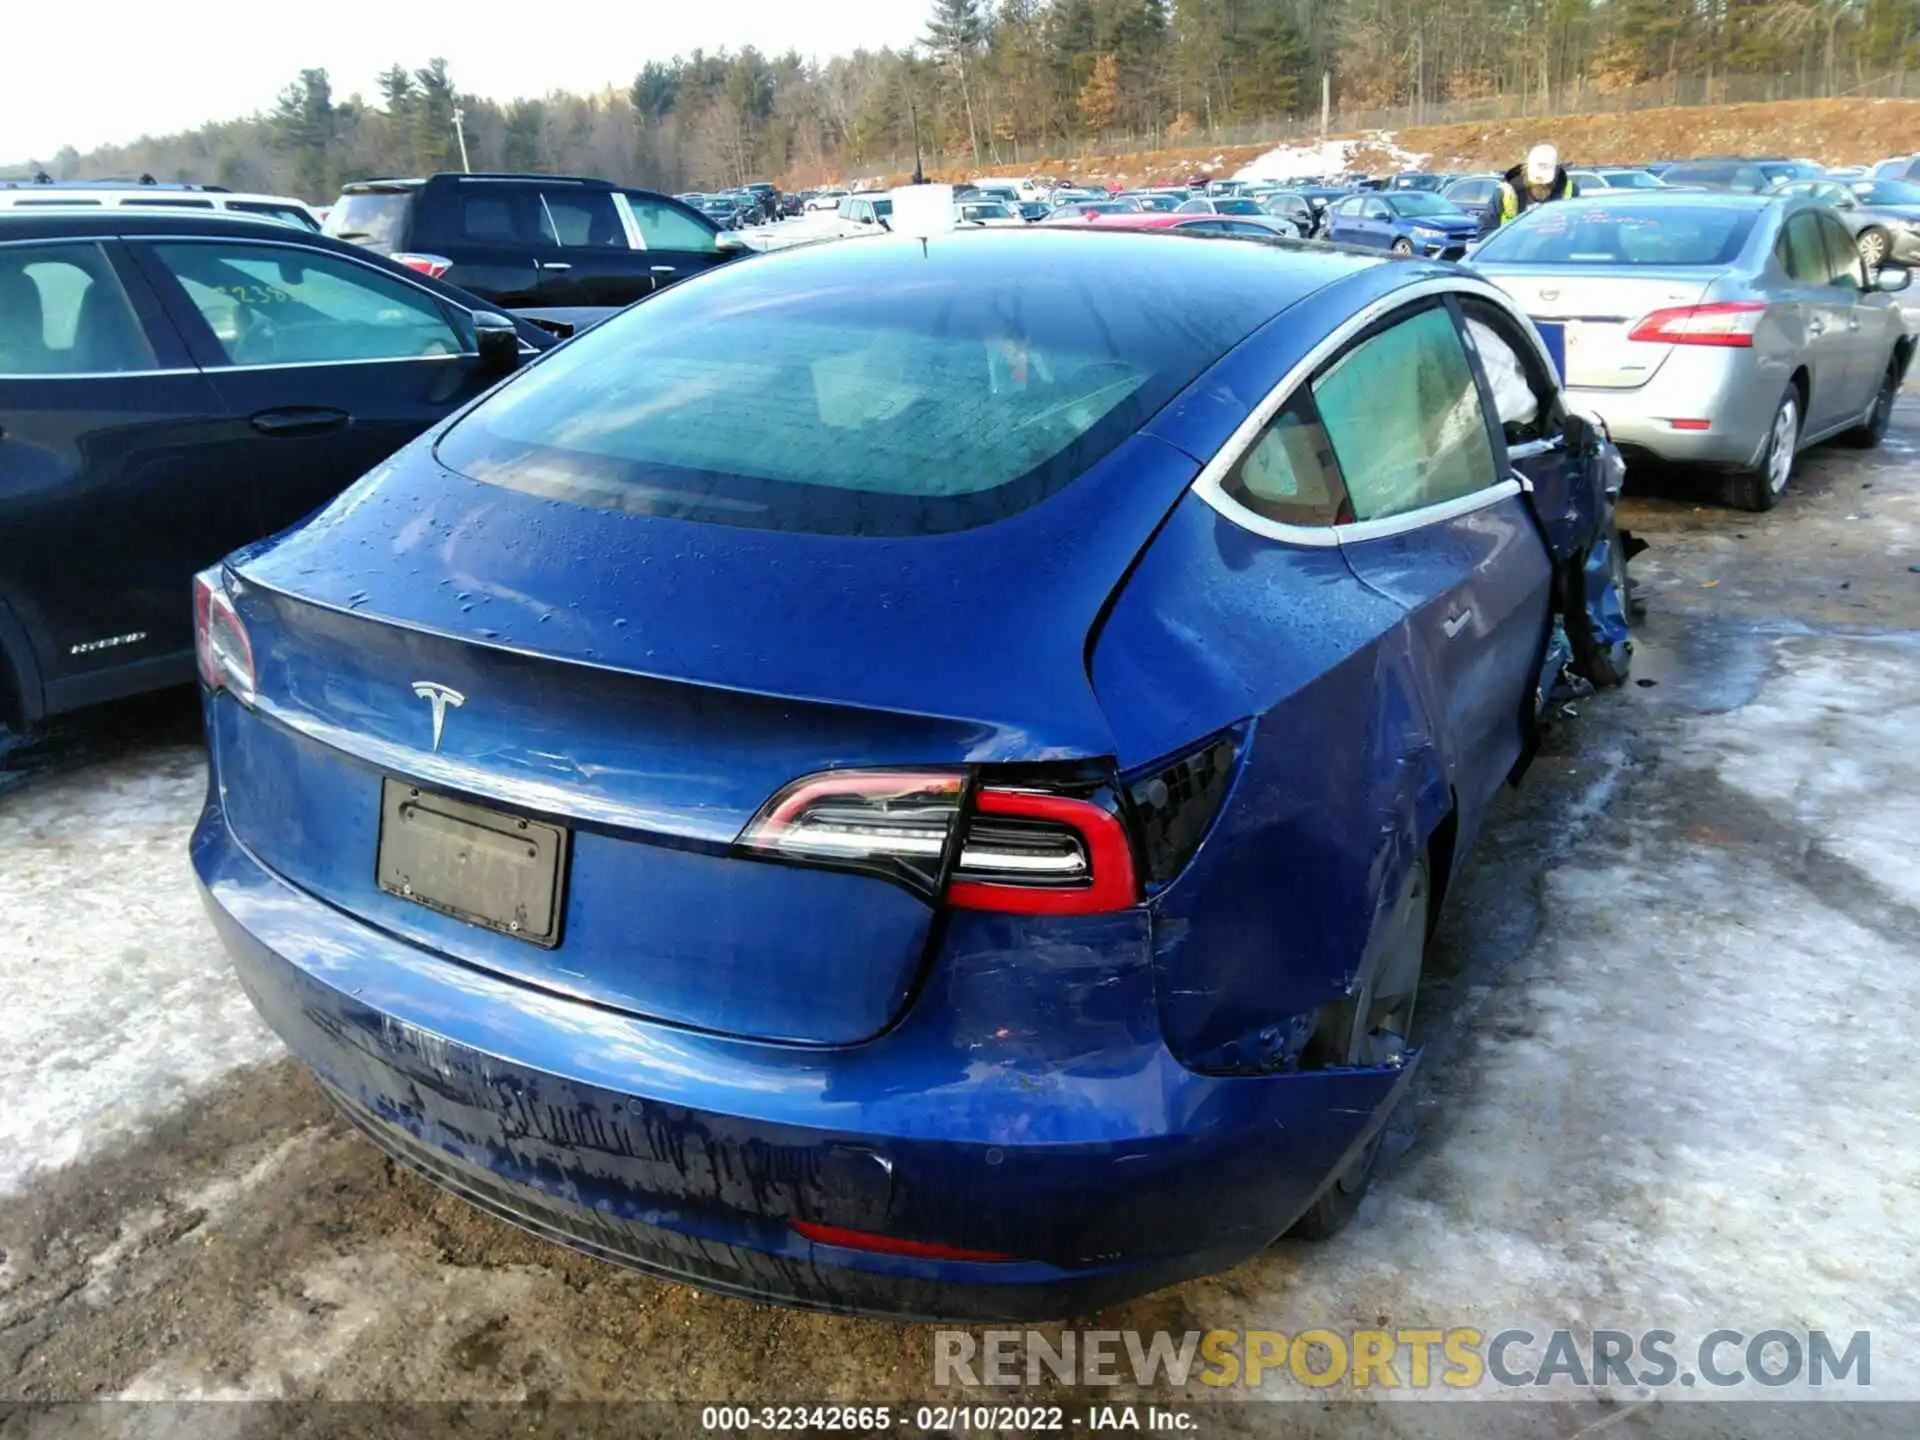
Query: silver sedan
point(1729, 331)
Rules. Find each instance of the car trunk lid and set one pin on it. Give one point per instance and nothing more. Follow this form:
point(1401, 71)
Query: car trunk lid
point(646, 685)
point(1593, 308)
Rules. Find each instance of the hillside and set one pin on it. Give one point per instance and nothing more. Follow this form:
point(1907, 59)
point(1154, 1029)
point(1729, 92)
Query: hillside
point(1834, 131)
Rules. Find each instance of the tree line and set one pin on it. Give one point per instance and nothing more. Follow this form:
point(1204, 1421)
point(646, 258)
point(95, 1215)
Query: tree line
point(996, 82)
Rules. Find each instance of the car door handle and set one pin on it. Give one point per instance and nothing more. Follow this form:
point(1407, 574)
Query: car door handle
point(665, 269)
point(1454, 624)
point(553, 264)
point(1816, 326)
point(298, 420)
point(1853, 322)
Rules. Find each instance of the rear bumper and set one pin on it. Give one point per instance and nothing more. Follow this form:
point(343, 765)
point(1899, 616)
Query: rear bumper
point(1735, 391)
point(1059, 1131)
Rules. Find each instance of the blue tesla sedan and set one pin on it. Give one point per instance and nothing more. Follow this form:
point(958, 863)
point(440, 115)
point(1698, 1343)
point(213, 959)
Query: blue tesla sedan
point(912, 776)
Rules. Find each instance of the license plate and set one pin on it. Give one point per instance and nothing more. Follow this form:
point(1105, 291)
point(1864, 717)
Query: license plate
point(485, 866)
point(1554, 334)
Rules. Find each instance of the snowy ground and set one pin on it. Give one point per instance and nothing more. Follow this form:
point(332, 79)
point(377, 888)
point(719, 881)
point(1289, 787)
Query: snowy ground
point(1666, 1084)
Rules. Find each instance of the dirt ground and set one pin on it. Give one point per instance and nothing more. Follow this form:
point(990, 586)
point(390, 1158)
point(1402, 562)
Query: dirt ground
point(1835, 132)
point(1667, 1081)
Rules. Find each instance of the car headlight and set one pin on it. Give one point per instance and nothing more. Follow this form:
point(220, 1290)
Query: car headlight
point(1430, 232)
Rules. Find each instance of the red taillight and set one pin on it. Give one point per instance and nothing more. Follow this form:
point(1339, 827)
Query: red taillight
point(1729, 324)
point(1023, 850)
point(1030, 853)
point(220, 642)
point(894, 821)
point(431, 266)
point(1691, 424)
point(889, 1245)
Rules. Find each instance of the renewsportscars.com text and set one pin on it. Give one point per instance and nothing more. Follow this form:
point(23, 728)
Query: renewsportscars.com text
point(1458, 1358)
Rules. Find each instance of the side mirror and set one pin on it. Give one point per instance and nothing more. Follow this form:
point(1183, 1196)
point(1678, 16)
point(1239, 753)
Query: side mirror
point(497, 340)
point(728, 243)
point(1890, 279)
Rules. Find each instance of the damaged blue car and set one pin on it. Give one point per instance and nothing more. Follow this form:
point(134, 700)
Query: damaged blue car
point(911, 777)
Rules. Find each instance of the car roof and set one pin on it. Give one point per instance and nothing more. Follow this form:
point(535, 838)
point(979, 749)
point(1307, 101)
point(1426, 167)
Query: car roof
point(53, 220)
point(1718, 199)
point(187, 197)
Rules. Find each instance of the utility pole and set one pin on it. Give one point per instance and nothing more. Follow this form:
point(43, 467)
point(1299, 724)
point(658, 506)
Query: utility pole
point(460, 133)
point(913, 119)
point(1326, 102)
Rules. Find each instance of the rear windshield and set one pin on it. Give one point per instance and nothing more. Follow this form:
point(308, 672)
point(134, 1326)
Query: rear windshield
point(1670, 233)
point(1887, 192)
point(374, 220)
point(1418, 202)
point(879, 390)
point(288, 214)
point(1733, 177)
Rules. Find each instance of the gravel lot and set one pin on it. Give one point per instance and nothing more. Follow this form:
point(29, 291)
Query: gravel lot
point(1666, 1082)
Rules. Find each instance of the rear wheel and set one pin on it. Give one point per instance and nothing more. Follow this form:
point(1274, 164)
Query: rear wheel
point(1403, 247)
point(1371, 1027)
point(1873, 245)
point(1873, 429)
point(1760, 488)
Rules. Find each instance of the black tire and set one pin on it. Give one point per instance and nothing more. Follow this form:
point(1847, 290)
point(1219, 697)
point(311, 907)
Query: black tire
point(1868, 436)
point(1874, 245)
point(1403, 247)
point(1760, 488)
point(1370, 1027)
point(1598, 611)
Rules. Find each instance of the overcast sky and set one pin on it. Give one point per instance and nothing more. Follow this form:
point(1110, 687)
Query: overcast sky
point(87, 74)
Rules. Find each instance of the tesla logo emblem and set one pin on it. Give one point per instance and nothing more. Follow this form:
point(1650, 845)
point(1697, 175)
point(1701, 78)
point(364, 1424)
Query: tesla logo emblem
point(439, 697)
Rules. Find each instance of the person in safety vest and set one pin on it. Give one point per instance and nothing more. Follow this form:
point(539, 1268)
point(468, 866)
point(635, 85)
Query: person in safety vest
point(1540, 179)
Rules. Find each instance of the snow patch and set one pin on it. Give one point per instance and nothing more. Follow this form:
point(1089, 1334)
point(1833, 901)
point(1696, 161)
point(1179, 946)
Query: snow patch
point(1315, 160)
point(120, 1003)
point(1688, 1106)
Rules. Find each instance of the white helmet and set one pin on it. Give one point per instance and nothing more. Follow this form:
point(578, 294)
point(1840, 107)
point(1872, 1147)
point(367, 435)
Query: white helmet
point(1542, 162)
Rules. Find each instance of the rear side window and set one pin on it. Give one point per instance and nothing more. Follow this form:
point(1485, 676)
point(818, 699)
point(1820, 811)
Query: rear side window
point(63, 312)
point(500, 215)
point(871, 389)
point(170, 203)
point(1404, 418)
point(377, 221)
point(1290, 474)
point(275, 305)
point(1660, 233)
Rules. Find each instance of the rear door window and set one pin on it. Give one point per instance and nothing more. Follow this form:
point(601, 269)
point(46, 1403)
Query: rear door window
point(1845, 269)
point(63, 312)
point(1802, 252)
point(1403, 415)
point(583, 220)
point(281, 305)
